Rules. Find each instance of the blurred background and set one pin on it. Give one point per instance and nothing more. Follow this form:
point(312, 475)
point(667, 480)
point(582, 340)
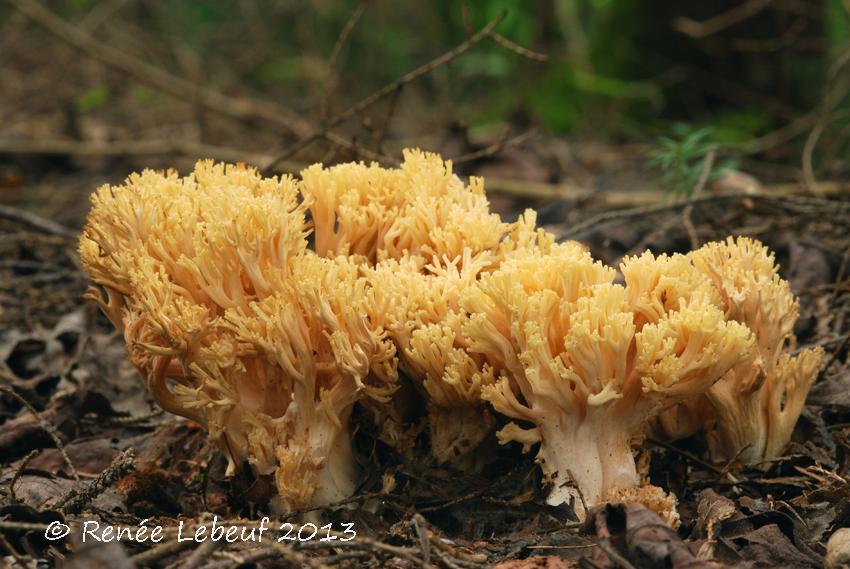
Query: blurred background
point(544, 97)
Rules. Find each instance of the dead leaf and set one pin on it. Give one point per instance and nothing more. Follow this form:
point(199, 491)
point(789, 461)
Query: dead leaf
point(537, 562)
point(636, 534)
point(33, 357)
point(769, 547)
point(95, 555)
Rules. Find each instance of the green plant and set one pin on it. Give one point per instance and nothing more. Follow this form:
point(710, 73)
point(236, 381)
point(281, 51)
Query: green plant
point(683, 159)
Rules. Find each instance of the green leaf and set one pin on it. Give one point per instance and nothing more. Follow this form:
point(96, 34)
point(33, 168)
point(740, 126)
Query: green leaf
point(92, 99)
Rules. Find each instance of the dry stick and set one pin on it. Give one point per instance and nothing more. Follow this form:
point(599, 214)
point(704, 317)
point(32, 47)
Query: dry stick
point(502, 40)
point(13, 552)
point(135, 148)
point(518, 49)
point(235, 107)
point(357, 148)
point(337, 49)
point(830, 100)
point(19, 472)
point(36, 222)
point(834, 358)
point(707, 166)
point(722, 21)
point(100, 13)
point(421, 528)
point(781, 135)
point(839, 277)
point(686, 454)
point(74, 501)
point(388, 89)
point(47, 427)
point(614, 555)
point(290, 554)
point(201, 553)
point(495, 148)
point(385, 125)
point(159, 552)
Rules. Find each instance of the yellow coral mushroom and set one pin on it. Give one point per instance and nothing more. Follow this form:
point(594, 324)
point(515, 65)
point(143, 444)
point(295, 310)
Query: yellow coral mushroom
point(755, 407)
point(572, 363)
point(234, 323)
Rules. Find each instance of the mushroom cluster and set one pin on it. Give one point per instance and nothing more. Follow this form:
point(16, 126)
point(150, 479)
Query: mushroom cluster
point(266, 309)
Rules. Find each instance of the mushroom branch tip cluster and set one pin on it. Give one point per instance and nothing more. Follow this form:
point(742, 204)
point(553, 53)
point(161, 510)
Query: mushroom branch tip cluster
point(268, 309)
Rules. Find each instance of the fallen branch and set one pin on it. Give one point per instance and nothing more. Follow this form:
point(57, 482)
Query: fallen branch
point(139, 148)
point(235, 107)
point(75, 501)
point(736, 15)
point(36, 222)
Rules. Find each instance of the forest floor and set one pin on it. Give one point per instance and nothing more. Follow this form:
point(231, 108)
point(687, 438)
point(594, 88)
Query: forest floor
point(80, 440)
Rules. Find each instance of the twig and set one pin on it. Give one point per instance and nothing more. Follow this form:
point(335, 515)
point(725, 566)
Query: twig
point(518, 49)
point(35, 222)
point(345, 33)
point(420, 526)
point(137, 148)
point(830, 100)
point(839, 277)
point(834, 357)
point(47, 427)
point(337, 49)
point(614, 555)
point(100, 13)
point(200, 554)
point(707, 166)
point(686, 454)
point(160, 551)
point(235, 107)
point(290, 554)
point(388, 89)
point(495, 148)
point(385, 125)
point(736, 15)
point(13, 552)
point(358, 149)
point(779, 136)
point(19, 472)
point(74, 501)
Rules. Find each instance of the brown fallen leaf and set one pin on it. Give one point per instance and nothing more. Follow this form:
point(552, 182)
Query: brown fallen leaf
point(769, 547)
point(537, 562)
point(630, 535)
point(95, 555)
point(712, 511)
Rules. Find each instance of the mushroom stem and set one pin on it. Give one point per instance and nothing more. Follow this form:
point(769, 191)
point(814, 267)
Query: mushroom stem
point(583, 463)
point(337, 480)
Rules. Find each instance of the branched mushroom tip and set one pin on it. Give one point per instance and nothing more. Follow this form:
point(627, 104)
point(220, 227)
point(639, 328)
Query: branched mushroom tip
point(240, 319)
point(750, 413)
